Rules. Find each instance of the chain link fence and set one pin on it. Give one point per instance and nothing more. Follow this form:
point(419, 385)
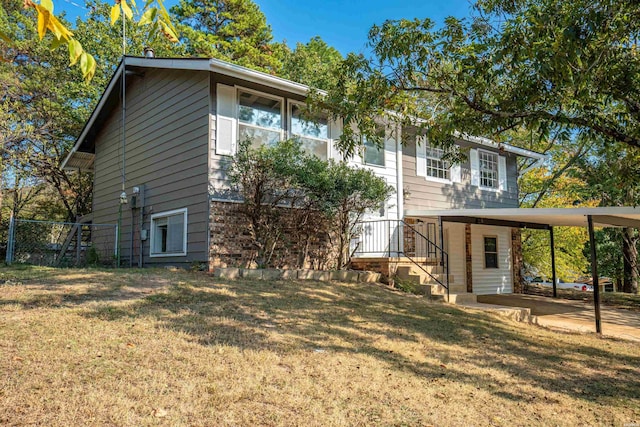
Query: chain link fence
point(60, 244)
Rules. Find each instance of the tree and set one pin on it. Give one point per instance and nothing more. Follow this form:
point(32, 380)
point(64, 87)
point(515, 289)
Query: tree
point(39, 119)
point(348, 193)
point(265, 179)
point(545, 65)
point(233, 30)
point(612, 174)
point(312, 64)
point(153, 15)
point(281, 186)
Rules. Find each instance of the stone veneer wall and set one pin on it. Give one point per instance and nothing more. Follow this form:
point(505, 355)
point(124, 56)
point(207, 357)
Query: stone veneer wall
point(230, 242)
point(518, 260)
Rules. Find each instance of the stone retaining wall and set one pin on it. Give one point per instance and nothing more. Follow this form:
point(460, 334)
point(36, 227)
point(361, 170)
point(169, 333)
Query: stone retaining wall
point(275, 274)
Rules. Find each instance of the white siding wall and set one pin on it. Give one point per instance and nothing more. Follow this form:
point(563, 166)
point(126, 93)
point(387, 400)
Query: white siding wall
point(488, 281)
point(455, 237)
point(389, 172)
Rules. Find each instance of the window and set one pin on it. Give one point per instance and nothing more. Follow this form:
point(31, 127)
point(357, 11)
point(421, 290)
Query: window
point(373, 155)
point(490, 252)
point(259, 118)
point(488, 167)
point(313, 133)
point(436, 167)
point(169, 233)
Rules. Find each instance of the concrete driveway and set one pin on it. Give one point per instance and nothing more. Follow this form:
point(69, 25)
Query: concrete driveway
point(571, 315)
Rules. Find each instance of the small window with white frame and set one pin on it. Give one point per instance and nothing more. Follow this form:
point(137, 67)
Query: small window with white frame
point(488, 169)
point(169, 233)
point(372, 153)
point(313, 133)
point(436, 167)
point(259, 117)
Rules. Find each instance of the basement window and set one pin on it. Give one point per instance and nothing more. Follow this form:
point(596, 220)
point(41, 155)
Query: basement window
point(490, 252)
point(169, 233)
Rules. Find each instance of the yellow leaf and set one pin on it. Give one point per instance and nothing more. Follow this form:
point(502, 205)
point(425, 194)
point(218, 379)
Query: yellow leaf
point(135, 7)
point(43, 20)
point(58, 29)
point(148, 16)
point(87, 65)
point(75, 50)
point(126, 9)
point(168, 32)
point(115, 13)
point(163, 11)
point(47, 4)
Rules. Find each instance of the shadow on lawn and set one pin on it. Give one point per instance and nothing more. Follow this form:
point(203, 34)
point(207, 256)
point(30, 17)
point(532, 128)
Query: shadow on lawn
point(290, 316)
point(286, 316)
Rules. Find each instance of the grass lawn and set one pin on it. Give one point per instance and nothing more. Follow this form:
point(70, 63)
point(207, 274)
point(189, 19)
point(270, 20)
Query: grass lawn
point(609, 299)
point(153, 347)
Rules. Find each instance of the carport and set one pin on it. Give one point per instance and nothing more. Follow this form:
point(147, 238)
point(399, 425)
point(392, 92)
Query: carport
point(546, 219)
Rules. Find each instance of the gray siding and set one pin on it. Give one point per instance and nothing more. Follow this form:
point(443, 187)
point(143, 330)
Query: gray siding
point(424, 194)
point(166, 151)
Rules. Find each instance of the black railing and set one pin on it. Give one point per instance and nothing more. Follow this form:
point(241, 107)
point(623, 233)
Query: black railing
point(395, 238)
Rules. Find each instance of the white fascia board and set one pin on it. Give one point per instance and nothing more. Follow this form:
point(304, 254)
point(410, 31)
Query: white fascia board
point(221, 67)
point(572, 217)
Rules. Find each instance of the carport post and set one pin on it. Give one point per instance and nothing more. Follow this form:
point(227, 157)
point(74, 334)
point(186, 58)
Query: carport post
point(594, 274)
point(553, 264)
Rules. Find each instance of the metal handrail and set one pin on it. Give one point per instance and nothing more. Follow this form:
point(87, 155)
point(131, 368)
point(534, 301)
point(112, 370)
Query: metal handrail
point(443, 254)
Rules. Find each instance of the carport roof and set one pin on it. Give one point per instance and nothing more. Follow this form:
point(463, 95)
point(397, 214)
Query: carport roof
point(537, 217)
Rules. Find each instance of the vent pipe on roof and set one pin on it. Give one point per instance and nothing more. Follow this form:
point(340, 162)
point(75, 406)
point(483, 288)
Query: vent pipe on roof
point(149, 53)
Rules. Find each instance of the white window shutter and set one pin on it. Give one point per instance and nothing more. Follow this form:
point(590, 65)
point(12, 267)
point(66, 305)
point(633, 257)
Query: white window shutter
point(456, 173)
point(502, 173)
point(335, 130)
point(226, 120)
point(421, 156)
point(475, 167)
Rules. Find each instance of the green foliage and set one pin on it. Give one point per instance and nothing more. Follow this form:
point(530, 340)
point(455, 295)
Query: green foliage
point(312, 64)
point(39, 118)
point(232, 30)
point(93, 258)
point(325, 197)
point(570, 260)
point(546, 65)
point(612, 177)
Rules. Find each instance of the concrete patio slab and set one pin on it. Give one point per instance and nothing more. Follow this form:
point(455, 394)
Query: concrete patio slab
point(571, 315)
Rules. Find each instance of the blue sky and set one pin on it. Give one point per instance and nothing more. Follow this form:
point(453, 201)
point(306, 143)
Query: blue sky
point(342, 24)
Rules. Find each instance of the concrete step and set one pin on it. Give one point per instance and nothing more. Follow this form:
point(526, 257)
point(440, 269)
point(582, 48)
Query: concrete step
point(414, 269)
point(454, 288)
point(462, 299)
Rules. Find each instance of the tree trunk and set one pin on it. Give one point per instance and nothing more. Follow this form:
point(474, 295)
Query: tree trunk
point(630, 253)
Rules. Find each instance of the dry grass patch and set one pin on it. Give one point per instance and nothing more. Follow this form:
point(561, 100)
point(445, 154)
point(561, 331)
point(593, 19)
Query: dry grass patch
point(152, 347)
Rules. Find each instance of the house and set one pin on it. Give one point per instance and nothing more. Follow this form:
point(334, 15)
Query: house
point(161, 177)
